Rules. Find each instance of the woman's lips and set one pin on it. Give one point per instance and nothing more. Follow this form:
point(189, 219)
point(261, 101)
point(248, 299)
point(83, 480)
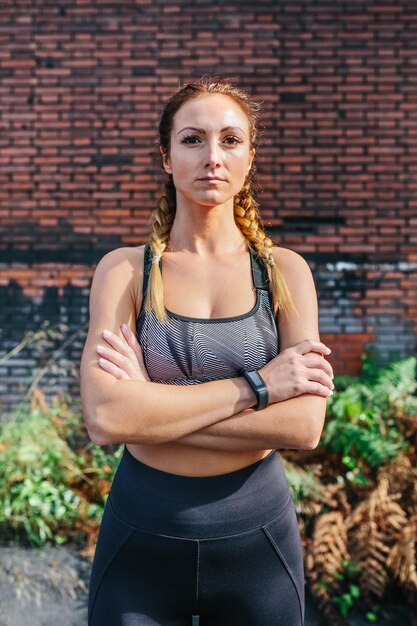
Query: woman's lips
point(212, 180)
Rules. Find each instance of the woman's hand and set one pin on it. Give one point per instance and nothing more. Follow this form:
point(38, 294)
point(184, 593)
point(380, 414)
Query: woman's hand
point(297, 370)
point(123, 357)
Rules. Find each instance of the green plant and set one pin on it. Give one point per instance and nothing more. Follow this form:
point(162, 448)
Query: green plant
point(307, 491)
point(43, 509)
point(48, 490)
point(372, 362)
point(347, 600)
point(364, 424)
point(33, 477)
point(362, 440)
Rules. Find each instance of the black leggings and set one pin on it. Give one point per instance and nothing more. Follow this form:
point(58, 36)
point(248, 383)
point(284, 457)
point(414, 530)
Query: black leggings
point(224, 547)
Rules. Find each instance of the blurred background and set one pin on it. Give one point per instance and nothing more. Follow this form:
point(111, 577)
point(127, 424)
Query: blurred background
point(82, 86)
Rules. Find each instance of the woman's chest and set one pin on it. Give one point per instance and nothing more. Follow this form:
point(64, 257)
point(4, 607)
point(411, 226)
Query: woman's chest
point(187, 351)
point(204, 290)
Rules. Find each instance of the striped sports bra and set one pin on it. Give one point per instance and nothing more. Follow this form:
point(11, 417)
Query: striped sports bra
point(192, 350)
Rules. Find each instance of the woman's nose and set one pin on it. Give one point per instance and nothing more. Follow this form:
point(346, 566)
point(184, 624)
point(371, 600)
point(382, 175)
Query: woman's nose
point(213, 155)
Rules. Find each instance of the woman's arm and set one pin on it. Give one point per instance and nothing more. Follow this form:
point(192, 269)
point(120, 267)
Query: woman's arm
point(140, 411)
point(293, 423)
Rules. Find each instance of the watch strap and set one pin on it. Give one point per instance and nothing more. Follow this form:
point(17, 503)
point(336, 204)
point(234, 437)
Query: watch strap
point(259, 387)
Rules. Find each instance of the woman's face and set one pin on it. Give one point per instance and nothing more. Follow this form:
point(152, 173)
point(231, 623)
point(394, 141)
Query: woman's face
point(210, 153)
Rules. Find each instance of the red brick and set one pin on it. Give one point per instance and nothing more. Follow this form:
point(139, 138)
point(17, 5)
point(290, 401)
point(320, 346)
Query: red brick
point(337, 161)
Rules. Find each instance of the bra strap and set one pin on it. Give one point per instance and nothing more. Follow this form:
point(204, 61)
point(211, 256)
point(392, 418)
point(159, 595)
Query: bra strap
point(146, 269)
point(259, 272)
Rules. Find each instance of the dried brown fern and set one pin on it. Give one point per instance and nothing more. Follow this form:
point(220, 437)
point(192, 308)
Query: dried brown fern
point(402, 476)
point(337, 498)
point(402, 557)
point(373, 528)
point(324, 562)
point(38, 400)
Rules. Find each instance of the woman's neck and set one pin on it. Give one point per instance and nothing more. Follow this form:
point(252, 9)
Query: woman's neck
point(208, 236)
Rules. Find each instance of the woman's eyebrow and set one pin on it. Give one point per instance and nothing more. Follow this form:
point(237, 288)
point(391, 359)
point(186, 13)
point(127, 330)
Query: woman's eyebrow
point(201, 130)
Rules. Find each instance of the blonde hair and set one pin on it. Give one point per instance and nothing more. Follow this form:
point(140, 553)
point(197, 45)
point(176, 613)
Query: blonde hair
point(246, 210)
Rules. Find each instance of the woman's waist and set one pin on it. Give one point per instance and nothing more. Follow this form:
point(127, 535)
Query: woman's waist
point(163, 502)
point(193, 461)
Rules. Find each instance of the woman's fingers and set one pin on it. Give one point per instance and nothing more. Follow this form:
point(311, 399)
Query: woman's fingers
point(128, 335)
point(125, 353)
point(131, 339)
point(319, 389)
point(118, 343)
point(321, 377)
point(308, 345)
point(312, 359)
point(136, 347)
point(113, 369)
point(309, 348)
point(113, 355)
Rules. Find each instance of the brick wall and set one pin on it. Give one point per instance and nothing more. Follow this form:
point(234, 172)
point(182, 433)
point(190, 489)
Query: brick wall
point(81, 88)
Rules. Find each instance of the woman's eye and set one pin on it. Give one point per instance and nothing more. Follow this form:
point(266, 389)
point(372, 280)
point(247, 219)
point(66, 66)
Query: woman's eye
point(232, 140)
point(190, 139)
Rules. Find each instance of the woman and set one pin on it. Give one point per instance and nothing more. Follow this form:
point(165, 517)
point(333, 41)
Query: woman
point(203, 375)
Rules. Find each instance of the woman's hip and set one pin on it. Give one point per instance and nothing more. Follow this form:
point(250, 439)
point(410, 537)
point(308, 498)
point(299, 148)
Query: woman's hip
point(250, 577)
point(198, 507)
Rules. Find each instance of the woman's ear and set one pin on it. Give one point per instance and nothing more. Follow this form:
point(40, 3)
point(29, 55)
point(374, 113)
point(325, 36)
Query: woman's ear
point(166, 162)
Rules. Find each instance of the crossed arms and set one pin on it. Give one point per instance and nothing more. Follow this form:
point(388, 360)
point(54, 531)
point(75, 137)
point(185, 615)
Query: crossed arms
point(214, 414)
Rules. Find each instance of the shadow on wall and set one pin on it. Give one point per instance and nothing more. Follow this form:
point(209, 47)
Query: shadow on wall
point(47, 334)
point(29, 242)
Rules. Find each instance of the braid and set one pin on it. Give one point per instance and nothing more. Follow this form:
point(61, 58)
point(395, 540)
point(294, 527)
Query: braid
point(163, 217)
point(248, 219)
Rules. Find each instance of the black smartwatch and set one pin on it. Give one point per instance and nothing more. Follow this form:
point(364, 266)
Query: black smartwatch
point(258, 385)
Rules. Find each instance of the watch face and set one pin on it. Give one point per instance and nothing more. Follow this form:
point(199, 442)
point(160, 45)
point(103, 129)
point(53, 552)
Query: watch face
point(256, 377)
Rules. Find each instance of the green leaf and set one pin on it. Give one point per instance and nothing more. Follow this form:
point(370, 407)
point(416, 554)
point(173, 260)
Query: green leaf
point(371, 617)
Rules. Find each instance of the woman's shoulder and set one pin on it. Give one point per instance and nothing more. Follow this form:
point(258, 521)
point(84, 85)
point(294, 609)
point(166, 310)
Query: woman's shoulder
point(288, 261)
point(121, 260)
point(294, 268)
point(124, 254)
point(122, 267)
